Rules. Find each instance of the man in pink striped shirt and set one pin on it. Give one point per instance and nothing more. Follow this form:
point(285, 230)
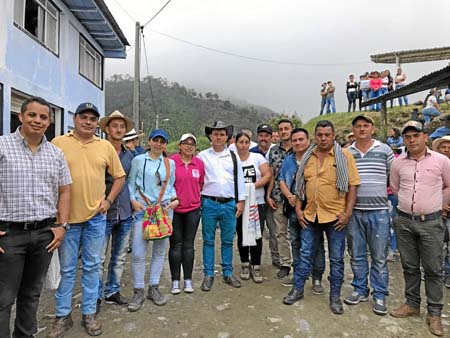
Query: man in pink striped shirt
point(418, 178)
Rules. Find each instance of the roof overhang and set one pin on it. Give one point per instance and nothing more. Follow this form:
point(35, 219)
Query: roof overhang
point(439, 79)
point(95, 16)
point(410, 56)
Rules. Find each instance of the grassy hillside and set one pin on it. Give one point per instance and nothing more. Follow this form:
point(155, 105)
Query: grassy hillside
point(397, 116)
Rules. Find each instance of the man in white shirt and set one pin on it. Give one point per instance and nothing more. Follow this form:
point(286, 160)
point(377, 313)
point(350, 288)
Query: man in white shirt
point(223, 198)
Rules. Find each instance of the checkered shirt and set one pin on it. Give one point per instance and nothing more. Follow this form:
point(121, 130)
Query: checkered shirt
point(29, 182)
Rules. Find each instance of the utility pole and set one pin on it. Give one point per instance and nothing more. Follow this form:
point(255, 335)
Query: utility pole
point(137, 72)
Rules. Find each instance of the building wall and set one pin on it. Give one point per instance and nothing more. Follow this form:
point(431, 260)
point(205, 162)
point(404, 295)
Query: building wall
point(28, 67)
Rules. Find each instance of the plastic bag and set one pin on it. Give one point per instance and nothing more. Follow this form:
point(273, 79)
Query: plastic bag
point(53, 276)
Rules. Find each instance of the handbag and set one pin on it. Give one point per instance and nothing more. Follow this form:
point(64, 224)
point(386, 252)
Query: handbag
point(157, 223)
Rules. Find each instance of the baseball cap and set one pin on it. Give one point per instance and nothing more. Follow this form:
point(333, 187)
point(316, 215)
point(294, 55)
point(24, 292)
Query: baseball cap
point(264, 128)
point(159, 133)
point(416, 125)
point(87, 106)
point(184, 137)
point(362, 117)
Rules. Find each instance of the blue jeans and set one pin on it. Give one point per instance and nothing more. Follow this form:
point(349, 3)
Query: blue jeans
point(394, 203)
point(374, 94)
point(319, 256)
point(330, 102)
point(405, 98)
point(90, 236)
point(323, 102)
point(309, 239)
point(370, 228)
point(224, 214)
point(119, 231)
point(140, 246)
point(429, 113)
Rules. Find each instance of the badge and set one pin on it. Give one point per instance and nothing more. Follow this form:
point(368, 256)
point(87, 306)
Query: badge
point(195, 173)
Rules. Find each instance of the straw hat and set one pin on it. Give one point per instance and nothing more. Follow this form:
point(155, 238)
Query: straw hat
point(437, 142)
point(116, 115)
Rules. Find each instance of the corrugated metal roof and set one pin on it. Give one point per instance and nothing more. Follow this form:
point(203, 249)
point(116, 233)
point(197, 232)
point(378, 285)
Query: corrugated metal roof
point(438, 78)
point(95, 16)
point(415, 55)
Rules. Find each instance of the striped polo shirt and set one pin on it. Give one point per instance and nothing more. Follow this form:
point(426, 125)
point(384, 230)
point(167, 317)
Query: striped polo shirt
point(373, 169)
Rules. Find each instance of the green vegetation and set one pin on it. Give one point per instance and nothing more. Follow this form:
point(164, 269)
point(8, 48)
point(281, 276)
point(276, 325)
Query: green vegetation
point(180, 109)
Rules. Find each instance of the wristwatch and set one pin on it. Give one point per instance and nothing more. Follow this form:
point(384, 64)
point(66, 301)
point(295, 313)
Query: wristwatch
point(65, 225)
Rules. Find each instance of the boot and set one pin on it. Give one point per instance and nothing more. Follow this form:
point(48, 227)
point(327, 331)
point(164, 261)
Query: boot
point(61, 326)
point(92, 326)
point(136, 302)
point(155, 295)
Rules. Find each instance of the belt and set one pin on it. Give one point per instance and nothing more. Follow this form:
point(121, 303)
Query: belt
point(219, 199)
point(423, 218)
point(30, 225)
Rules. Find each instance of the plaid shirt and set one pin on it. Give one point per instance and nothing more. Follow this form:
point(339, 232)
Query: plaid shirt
point(29, 182)
point(277, 154)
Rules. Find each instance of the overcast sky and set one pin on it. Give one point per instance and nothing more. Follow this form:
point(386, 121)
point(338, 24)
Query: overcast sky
point(331, 38)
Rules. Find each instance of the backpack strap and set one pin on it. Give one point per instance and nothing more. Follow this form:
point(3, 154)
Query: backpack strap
point(235, 168)
point(166, 180)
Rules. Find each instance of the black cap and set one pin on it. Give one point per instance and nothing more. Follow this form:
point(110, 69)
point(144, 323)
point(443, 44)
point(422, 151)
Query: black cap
point(87, 106)
point(264, 128)
point(362, 117)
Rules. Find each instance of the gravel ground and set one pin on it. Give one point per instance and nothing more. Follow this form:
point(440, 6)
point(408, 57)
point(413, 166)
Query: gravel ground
point(255, 310)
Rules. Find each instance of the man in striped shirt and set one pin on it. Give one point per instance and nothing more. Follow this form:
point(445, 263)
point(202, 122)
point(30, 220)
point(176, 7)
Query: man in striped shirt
point(369, 224)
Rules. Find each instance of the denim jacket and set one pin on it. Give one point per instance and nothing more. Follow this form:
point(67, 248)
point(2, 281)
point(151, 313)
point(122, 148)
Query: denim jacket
point(289, 170)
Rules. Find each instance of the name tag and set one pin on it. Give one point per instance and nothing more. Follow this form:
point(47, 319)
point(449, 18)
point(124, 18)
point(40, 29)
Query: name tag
point(195, 173)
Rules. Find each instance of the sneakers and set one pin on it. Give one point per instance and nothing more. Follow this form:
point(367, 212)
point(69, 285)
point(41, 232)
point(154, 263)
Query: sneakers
point(317, 287)
point(447, 281)
point(91, 325)
point(61, 326)
point(138, 298)
point(188, 287)
point(284, 272)
point(355, 298)
point(256, 274)
point(232, 281)
point(245, 272)
point(155, 295)
point(175, 289)
point(379, 307)
point(116, 298)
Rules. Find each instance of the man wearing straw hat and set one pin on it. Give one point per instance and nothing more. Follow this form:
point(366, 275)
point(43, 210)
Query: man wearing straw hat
point(119, 216)
point(131, 140)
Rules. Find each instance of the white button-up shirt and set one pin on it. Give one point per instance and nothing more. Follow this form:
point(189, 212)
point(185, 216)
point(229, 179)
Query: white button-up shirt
point(219, 179)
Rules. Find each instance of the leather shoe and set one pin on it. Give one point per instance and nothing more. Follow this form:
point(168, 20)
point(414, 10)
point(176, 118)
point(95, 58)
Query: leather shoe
point(336, 306)
point(435, 325)
point(293, 296)
point(91, 325)
point(232, 281)
point(61, 326)
point(404, 311)
point(207, 283)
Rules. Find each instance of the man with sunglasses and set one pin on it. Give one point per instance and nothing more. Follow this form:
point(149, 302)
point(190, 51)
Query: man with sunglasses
point(89, 158)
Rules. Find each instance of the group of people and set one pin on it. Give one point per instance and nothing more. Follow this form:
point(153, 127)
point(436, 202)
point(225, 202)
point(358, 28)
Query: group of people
point(369, 86)
point(84, 196)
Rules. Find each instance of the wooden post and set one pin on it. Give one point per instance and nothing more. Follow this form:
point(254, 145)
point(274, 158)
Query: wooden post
point(383, 121)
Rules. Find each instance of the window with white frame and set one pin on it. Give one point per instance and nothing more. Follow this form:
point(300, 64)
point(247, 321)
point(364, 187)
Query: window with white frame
point(91, 63)
point(40, 18)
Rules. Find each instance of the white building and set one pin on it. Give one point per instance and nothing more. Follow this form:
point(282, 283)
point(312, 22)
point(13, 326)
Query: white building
point(55, 49)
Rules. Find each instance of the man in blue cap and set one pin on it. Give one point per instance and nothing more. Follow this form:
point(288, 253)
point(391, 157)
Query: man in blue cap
point(89, 158)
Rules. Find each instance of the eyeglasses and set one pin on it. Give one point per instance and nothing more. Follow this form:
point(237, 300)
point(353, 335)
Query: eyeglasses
point(188, 144)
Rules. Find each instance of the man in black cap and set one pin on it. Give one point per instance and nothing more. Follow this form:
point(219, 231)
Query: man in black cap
point(418, 178)
point(223, 197)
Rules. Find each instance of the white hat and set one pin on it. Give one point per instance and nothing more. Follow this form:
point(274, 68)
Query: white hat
point(131, 135)
point(184, 137)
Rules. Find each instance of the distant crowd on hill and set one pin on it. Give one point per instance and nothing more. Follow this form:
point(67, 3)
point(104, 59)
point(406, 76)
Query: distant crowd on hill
point(374, 84)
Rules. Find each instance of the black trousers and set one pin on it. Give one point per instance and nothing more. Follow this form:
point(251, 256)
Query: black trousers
point(22, 270)
point(254, 251)
point(181, 250)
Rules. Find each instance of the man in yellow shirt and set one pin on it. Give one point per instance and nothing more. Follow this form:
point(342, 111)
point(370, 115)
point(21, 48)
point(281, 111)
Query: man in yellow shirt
point(89, 158)
point(327, 178)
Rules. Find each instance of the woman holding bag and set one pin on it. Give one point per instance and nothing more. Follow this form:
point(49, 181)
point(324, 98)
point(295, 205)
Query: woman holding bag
point(257, 173)
point(151, 179)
